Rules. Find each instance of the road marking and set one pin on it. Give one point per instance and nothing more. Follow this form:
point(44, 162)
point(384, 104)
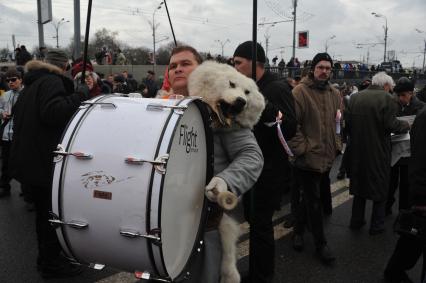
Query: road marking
point(243, 247)
point(280, 231)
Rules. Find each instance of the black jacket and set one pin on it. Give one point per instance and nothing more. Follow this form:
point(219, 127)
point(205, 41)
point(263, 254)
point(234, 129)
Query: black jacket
point(41, 114)
point(278, 97)
point(417, 165)
point(411, 109)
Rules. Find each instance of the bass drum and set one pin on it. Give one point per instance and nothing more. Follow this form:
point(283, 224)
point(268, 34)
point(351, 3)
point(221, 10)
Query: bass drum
point(128, 188)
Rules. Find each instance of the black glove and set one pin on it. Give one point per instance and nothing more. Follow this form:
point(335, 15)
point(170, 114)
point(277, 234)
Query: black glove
point(83, 90)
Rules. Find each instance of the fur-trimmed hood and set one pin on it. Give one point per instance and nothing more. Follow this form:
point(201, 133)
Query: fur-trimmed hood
point(34, 69)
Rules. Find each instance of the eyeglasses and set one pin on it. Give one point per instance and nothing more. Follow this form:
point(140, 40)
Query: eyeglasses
point(324, 68)
point(8, 80)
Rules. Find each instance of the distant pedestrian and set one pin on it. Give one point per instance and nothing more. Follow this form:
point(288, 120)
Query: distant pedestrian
point(24, 56)
point(7, 101)
point(151, 84)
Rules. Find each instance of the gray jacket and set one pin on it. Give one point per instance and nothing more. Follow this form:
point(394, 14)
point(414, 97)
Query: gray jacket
point(7, 101)
point(237, 158)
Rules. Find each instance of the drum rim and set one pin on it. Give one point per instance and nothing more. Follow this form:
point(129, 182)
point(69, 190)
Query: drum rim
point(86, 110)
point(209, 174)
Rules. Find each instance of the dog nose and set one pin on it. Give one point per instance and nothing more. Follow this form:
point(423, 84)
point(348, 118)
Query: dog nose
point(238, 105)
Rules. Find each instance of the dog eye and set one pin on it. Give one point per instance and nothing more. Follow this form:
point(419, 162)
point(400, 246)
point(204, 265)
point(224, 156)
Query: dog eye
point(246, 91)
point(231, 84)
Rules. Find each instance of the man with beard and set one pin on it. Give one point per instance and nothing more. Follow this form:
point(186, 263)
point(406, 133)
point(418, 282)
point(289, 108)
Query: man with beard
point(314, 146)
point(370, 121)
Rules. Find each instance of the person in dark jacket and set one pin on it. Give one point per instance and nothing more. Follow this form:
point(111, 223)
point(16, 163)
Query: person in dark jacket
point(24, 56)
point(371, 118)
point(421, 95)
point(409, 248)
point(408, 105)
point(41, 114)
point(151, 84)
point(276, 171)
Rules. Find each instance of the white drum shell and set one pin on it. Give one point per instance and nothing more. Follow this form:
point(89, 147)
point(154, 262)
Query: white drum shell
point(174, 205)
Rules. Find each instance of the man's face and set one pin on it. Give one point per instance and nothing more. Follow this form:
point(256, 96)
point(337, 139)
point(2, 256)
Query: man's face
point(125, 74)
point(405, 97)
point(14, 82)
point(243, 66)
point(322, 71)
point(181, 66)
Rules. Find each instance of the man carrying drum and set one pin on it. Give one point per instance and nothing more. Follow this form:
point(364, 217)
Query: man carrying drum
point(206, 268)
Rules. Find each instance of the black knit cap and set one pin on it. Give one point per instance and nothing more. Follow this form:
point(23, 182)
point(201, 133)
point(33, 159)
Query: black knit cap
point(244, 50)
point(321, 57)
point(403, 84)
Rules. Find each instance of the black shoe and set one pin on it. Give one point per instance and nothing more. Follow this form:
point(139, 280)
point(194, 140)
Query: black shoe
point(376, 231)
point(341, 176)
point(4, 192)
point(325, 255)
point(289, 223)
point(357, 225)
point(60, 268)
point(298, 242)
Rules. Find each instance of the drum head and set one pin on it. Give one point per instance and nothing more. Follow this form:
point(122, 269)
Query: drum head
point(183, 191)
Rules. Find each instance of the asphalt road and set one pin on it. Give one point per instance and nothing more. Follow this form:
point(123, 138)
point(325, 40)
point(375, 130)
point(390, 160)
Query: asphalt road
point(360, 257)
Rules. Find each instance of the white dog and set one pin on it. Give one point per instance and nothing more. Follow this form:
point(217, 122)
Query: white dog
point(235, 103)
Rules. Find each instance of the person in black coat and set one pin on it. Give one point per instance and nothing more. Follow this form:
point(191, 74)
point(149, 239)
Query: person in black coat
point(41, 114)
point(24, 56)
point(408, 105)
point(276, 171)
point(409, 248)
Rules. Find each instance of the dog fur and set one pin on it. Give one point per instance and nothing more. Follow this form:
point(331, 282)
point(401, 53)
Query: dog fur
point(222, 87)
point(220, 83)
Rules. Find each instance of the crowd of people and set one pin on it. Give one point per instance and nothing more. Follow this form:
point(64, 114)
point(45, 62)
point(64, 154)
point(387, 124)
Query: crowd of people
point(317, 120)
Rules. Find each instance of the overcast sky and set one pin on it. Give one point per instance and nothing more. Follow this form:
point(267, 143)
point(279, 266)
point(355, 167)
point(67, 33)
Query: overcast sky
point(201, 23)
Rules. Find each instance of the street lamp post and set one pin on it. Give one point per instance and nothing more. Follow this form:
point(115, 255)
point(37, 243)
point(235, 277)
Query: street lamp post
point(57, 25)
point(424, 50)
point(154, 27)
point(326, 42)
point(222, 43)
point(386, 31)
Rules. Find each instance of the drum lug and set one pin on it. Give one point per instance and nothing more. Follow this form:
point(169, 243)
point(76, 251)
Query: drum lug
point(60, 153)
point(102, 104)
point(159, 163)
point(159, 107)
point(153, 235)
point(56, 222)
point(96, 266)
point(147, 276)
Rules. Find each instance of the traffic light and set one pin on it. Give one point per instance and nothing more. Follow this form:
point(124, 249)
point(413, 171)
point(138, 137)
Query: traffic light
point(303, 39)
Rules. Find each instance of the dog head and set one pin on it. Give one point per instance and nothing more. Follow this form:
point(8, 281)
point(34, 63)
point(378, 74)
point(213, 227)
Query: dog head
point(232, 96)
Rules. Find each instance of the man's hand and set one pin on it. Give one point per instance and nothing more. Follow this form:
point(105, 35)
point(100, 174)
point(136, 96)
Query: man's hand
point(217, 185)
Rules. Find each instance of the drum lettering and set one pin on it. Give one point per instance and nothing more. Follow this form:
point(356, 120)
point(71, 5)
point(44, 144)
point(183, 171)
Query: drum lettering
point(188, 138)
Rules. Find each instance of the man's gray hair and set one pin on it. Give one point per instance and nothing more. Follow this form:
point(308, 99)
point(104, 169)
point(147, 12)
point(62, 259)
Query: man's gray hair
point(381, 79)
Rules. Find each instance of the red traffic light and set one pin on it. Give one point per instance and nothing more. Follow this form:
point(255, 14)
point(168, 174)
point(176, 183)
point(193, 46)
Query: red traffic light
point(303, 39)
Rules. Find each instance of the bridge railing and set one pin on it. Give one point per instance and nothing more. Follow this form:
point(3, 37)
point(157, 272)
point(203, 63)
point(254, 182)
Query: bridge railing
point(341, 74)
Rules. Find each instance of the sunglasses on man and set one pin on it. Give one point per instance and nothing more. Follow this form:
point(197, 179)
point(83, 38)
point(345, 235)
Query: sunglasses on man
point(8, 80)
